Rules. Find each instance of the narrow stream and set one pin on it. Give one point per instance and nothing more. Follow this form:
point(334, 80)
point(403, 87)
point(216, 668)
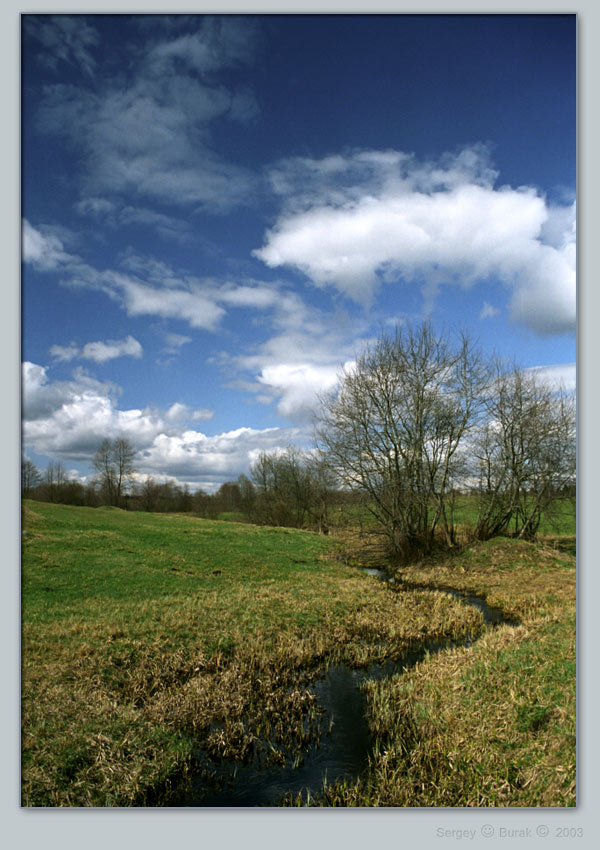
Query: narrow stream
point(341, 754)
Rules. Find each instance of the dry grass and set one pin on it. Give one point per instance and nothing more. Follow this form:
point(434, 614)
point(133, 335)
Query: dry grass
point(150, 641)
point(488, 725)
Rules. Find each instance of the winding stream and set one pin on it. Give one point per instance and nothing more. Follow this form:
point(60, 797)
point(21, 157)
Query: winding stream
point(341, 754)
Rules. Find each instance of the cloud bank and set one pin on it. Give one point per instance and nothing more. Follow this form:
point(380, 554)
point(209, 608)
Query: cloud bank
point(67, 420)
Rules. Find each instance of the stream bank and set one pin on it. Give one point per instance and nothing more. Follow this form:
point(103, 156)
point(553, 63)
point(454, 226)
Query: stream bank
point(342, 753)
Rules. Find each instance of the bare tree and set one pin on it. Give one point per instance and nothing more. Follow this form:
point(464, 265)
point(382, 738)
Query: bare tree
point(123, 455)
point(289, 489)
point(103, 464)
point(393, 430)
point(114, 463)
point(54, 479)
point(30, 478)
point(525, 453)
point(148, 492)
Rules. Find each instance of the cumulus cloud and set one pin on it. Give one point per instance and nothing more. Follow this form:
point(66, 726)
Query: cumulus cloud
point(301, 360)
point(67, 420)
point(297, 386)
point(354, 222)
point(99, 352)
point(181, 412)
point(42, 399)
point(194, 456)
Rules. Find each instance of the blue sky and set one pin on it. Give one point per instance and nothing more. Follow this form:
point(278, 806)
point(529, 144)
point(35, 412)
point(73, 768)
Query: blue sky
point(220, 212)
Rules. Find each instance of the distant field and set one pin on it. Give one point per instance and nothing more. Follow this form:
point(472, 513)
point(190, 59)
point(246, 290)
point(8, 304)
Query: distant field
point(561, 520)
point(142, 631)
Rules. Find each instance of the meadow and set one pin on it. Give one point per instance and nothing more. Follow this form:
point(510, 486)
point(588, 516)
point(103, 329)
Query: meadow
point(155, 644)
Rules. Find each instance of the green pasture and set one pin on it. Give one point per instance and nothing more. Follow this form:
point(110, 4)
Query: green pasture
point(148, 636)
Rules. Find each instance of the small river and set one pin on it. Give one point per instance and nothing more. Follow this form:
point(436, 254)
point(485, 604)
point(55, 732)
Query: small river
point(343, 753)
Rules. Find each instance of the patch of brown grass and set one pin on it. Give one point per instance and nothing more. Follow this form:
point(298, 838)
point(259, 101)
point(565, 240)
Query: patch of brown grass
point(488, 725)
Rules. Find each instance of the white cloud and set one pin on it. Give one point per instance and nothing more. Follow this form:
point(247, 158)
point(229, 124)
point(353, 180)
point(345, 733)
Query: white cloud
point(99, 352)
point(374, 217)
point(65, 353)
point(202, 415)
point(165, 225)
point(488, 311)
point(115, 215)
point(192, 455)
point(43, 250)
point(192, 304)
point(219, 42)
point(298, 386)
point(301, 360)
point(174, 342)
point(67, 420)
point(181, 412)
point(149, 287)
point(559, 376)
point(43, 399)
point(96, 207)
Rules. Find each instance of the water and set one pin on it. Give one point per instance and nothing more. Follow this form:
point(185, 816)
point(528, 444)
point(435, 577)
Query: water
point(342, 754)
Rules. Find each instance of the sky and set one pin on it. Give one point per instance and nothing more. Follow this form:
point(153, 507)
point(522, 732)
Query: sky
point(220, 212)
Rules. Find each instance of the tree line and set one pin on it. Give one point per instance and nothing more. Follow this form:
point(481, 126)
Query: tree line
point(289, 488)
point(418, 422)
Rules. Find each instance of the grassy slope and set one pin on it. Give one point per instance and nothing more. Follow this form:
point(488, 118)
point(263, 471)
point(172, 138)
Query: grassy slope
point(494, 724)
point(146, 636)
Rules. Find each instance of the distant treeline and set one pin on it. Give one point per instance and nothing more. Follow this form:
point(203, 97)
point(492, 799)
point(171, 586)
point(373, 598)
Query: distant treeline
point(285, 489)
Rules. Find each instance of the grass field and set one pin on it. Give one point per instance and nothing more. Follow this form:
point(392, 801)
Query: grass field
point(489, 725)
point(146, 637)
point(560, 520)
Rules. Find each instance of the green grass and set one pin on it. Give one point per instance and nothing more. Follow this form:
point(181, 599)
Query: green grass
point(559, 520)
point(149, 637)
point(146, 637)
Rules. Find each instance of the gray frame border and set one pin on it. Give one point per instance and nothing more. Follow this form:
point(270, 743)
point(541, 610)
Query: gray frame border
point(297, 828)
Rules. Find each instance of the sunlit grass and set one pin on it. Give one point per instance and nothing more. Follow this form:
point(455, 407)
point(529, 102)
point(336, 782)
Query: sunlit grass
point(149, 637)
point(493, 724)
